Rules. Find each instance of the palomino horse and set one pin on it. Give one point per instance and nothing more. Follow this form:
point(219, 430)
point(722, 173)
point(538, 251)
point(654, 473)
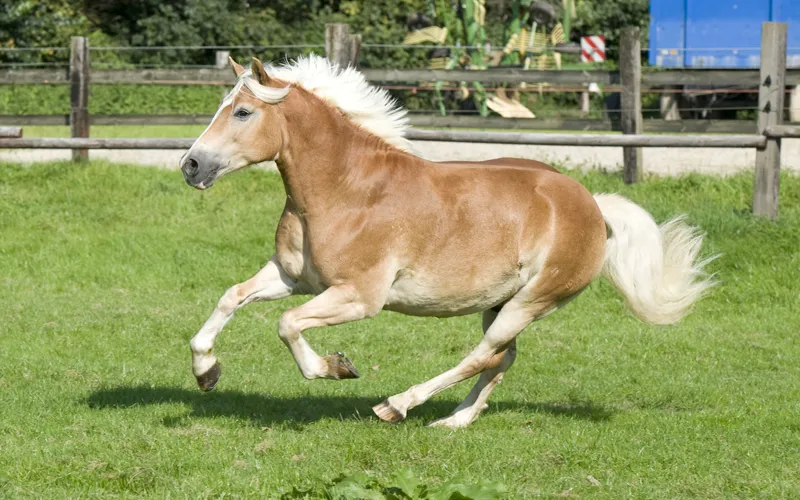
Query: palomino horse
point(368, 226)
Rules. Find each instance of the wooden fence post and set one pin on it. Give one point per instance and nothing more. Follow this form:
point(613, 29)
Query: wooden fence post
point(79, 93)
point(668, 104)
point(221, 59)
point(630, 72)
point(341, 47)
point(771, 92)
point(585, 103)
point(794, 104)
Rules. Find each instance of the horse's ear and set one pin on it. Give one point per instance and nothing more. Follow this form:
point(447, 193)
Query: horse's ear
point(259, 72)
point(238, 69)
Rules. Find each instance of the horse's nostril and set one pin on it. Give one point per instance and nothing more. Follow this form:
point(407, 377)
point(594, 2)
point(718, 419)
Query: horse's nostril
point(191, 166)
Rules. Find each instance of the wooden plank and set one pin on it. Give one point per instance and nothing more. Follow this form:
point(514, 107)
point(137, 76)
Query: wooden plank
point(94, 143)
point(491, 75)
point(79, 93)
point(605, 140)
point(165, 76)
point(33, 76)
point(498, 122)
point(10, 132)
point(34, 119)
point(211, 76)
point(630, 69)
point(149, 119)
point(792, 131)
point(771, 95)
point(599, 140)
point(700, 126)
point(457, 121)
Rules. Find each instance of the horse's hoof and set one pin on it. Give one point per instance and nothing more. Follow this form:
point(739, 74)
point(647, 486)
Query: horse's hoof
point(339, 367)
point(209, 379)
point(388, 413)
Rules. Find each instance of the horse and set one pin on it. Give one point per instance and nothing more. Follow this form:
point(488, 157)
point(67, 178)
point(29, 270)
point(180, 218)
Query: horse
point(369, 225)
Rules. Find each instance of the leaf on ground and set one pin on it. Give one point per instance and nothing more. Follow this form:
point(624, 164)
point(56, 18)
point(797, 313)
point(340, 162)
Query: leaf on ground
point(404, 482)
point(483, 490)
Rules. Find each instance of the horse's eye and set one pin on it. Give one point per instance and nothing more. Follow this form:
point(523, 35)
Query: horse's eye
point(241, 113)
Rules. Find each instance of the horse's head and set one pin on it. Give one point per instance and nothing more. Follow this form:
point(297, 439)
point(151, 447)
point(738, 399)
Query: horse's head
point(245, 130)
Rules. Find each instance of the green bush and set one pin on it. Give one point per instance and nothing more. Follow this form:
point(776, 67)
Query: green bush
point(112, 99)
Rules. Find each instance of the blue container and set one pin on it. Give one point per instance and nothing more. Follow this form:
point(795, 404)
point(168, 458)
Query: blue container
point(718, 33)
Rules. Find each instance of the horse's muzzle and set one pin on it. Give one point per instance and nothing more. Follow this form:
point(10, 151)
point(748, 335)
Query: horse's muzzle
point(199, 171)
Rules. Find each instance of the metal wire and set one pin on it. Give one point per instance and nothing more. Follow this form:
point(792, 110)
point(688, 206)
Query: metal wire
point(32, 49)
point(35, 64)
point(204, 47)
point(402, 46)
point(122, 48)
point(123, 65)
point(699, 49)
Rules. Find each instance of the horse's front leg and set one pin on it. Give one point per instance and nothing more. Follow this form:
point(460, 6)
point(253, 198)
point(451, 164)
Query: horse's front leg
point(270, 283)
point(336, 305)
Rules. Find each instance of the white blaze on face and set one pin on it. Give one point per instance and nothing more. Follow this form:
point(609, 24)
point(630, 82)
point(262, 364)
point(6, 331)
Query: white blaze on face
point(228, 100)
point(270, 95)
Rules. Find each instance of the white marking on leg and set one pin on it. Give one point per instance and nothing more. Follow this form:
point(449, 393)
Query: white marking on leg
point(513, 318)
point(334, 306)
point(270, 283)
point(475, 402)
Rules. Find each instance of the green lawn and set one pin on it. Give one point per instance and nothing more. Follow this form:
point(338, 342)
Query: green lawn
point(106, 271)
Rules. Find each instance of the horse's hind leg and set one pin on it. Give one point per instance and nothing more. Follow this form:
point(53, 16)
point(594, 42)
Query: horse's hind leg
point(270, 283)
point(475, 402)
point(512, 319)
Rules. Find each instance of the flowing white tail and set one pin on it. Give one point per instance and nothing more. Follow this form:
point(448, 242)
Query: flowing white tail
point(653, 266)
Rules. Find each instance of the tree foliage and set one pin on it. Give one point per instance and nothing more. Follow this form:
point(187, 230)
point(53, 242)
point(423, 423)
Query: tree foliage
point(596, 17)
point(151, 23)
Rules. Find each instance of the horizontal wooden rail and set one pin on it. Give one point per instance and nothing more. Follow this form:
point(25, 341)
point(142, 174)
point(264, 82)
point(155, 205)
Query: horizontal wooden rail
point(91, 143)
point(455, 121)
point(10, 132)
point(786, 131)
point(599, 140)
point(210, 76)
point(577, 124)
point(504, 75)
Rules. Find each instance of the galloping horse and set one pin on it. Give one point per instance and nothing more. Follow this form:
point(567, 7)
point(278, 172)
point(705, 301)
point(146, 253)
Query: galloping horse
point(368, 225)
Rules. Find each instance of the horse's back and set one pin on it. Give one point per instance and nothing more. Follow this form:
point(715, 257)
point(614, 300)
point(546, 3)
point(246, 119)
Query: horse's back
point(506, 162)
point(562, 225)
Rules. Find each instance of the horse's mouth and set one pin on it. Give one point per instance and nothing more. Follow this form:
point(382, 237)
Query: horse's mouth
point(206, 183)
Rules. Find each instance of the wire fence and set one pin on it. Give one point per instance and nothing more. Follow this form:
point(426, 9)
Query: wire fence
point(177, 55)
point(186, 57)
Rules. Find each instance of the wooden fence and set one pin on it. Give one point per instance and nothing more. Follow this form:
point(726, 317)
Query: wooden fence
point(432, 121)
point(771, 80)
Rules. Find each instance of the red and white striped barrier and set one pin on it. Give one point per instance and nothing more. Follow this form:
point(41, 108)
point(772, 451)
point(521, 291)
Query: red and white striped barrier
point(593, 48)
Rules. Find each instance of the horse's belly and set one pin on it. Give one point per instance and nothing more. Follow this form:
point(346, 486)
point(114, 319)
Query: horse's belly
point(442, 298)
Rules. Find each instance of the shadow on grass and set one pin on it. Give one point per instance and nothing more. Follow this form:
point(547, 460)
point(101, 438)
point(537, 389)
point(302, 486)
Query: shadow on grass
point(265, 410)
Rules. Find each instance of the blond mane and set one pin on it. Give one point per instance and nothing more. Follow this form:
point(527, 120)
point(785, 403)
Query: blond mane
point(372, 108)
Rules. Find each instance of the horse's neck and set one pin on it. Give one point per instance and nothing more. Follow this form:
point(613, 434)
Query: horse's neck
point(327, 160)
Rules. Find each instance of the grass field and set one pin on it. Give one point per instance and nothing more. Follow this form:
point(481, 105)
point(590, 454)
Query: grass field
point(107, 271)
